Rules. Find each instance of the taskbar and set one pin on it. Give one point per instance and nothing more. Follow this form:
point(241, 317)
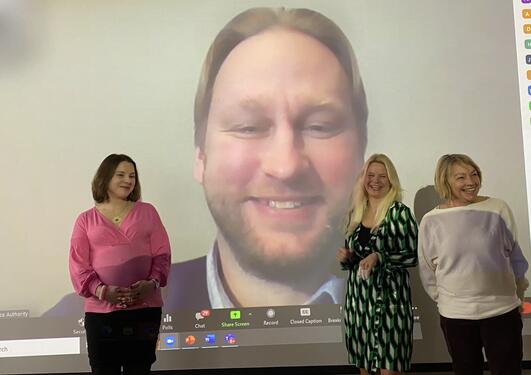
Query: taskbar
point(188, 330)
point(185, 329)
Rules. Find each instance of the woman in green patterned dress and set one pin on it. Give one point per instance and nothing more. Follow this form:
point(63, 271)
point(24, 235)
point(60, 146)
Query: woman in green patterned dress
point(381, 242)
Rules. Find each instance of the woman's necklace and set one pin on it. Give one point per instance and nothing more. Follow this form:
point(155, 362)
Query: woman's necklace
point(117, 219)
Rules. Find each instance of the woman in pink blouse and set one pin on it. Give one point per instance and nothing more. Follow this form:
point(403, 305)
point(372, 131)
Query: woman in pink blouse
point(119, 259)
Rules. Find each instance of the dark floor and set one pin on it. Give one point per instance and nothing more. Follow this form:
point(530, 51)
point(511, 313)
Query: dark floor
point(524, 372)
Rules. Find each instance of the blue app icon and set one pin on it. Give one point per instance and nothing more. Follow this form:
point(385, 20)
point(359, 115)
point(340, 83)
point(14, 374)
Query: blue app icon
point(230, 339)
point(529, 90)
point(210, 339)
point(169, 340)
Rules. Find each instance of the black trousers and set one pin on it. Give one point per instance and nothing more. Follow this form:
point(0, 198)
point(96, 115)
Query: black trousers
point(124, 338)
point(499, 336)
point(131, 369)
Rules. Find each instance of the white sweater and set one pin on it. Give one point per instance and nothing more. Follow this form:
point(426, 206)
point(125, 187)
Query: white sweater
point(470, 262)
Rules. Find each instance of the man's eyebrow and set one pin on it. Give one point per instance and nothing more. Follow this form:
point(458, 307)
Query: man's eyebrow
point(250, 104)
point(323, 106)
point(308, 106)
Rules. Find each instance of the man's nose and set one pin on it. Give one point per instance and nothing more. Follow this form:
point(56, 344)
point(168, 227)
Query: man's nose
point(285, 156)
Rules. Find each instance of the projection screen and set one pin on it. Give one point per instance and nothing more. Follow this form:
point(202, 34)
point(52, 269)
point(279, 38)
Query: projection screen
point(81, 80)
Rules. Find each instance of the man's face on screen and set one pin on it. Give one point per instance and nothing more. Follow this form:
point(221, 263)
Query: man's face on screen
point(280, 154)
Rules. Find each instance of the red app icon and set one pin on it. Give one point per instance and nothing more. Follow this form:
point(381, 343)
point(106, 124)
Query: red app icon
point(526, 308)
point(189, 340)
point(205, 313)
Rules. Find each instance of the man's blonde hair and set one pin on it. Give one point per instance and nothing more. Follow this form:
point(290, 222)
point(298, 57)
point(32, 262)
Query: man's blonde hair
point(256, 20)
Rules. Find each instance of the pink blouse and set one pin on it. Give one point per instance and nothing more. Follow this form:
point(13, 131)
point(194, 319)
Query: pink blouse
point(102, 253)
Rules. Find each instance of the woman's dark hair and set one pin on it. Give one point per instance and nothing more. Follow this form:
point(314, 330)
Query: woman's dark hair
point(104, 174)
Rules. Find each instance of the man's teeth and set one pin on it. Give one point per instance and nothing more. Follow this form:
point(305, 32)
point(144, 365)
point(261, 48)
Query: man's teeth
point(284, 205)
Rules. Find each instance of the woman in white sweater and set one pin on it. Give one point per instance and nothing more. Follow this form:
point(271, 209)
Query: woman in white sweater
point(472, 266)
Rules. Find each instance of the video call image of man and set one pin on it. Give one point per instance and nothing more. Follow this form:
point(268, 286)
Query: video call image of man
point(280, 133)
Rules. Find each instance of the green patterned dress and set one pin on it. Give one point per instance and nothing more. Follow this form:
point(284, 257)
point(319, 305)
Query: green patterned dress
point(378, 311)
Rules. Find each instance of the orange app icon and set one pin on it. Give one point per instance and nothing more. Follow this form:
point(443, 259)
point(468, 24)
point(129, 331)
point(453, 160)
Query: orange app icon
point(527, 28)
point(190, 340)
point(526, 13)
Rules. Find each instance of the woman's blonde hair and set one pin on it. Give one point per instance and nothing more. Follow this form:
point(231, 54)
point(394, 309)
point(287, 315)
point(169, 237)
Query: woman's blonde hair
point(359, 200)
point(442, 171)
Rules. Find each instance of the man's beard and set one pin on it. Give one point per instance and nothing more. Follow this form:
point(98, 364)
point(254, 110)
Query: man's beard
point(281, 265)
